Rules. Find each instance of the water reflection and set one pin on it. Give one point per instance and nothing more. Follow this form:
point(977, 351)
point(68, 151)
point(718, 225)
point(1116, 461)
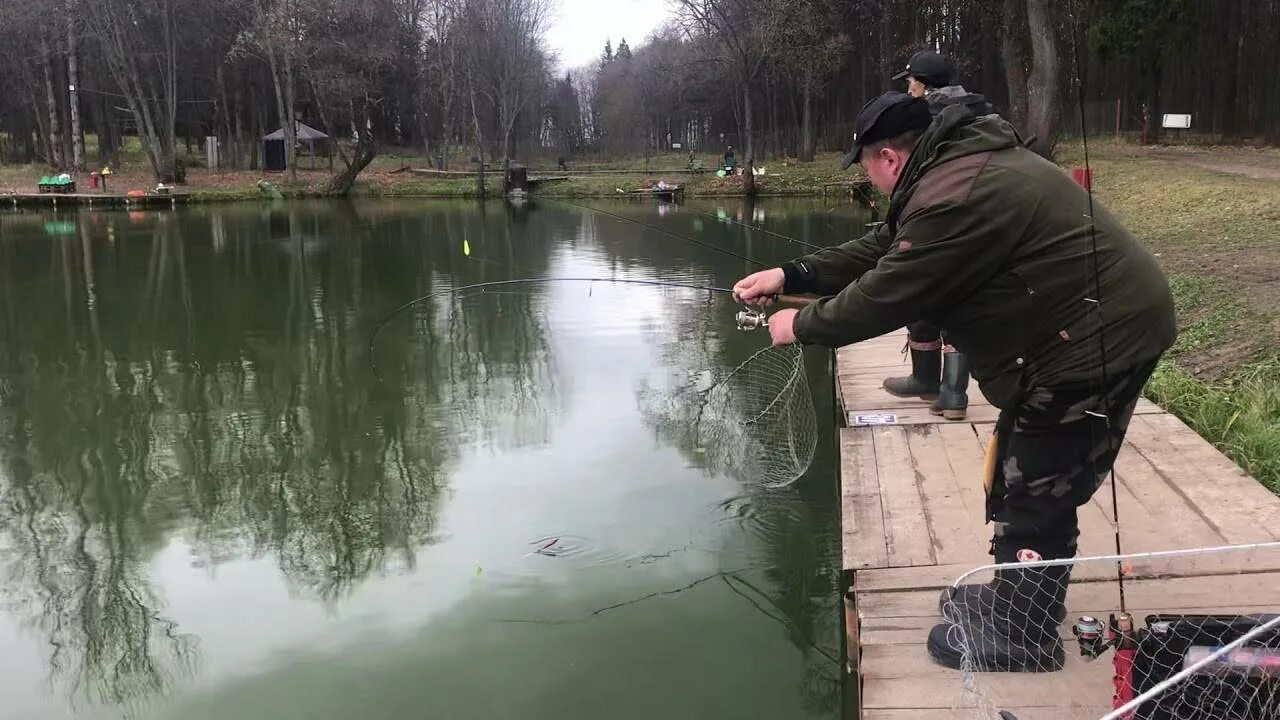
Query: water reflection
point(233, 406)
point(200, 380)
point(794, 575)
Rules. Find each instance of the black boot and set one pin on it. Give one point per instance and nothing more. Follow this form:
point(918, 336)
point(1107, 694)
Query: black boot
point(926, 371)
point(1011, 626)
point(953, 400)
point(965, 601)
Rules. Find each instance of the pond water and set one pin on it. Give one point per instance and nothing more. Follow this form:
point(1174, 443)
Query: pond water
point(213, 506)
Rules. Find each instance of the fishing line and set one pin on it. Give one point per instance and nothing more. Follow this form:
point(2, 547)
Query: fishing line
point(1096, 300)
point(373, 337)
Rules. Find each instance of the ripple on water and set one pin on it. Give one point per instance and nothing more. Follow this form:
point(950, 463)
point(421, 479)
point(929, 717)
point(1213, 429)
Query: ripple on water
point(769, 515)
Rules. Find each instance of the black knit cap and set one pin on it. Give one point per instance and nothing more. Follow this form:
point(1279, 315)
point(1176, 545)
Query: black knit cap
point(884, 117)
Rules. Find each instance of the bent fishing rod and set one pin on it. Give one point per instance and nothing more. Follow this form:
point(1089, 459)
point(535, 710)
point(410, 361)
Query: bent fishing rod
point(746, 319)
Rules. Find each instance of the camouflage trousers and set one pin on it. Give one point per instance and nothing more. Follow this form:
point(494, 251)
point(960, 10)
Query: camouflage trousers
point(1054, 449)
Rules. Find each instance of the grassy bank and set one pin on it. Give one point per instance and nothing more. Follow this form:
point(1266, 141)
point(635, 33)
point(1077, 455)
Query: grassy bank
point(389, 176)
point(1216, 235)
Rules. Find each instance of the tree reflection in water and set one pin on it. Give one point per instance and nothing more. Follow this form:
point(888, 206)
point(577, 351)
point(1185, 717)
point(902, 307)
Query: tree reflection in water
point(200, 379)
point(233, 407)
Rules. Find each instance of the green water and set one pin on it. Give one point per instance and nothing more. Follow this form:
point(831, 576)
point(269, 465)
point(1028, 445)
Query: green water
point(211, 507)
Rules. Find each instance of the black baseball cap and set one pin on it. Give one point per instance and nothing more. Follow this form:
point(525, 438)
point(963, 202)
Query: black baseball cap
point(884, 117)
point(931, 68)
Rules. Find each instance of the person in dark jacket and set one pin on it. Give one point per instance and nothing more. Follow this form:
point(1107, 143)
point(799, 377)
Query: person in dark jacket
point(995, 244)
point(938, 372)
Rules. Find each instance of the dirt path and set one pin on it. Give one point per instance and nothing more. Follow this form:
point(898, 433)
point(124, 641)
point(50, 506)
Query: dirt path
point(1258, 164)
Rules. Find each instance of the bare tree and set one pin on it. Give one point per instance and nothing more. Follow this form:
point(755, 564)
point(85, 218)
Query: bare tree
point(352, 49)
point(73, 90)
point(442, 87)
point(506, 60)
point(139, 43)
point(54, 136)
point(276, 35)
point(810, 51)
point(1043, 118)
point(745, 32)
point(1013, 31)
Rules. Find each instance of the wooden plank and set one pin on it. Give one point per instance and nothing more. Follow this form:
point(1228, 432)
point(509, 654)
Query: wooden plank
point(955, 526)
point(1097, 530)
point(967, 456)
point(1223, 591)
point(1140, 531)
point(1034, 713)
point(913, 661)
point(864, 538)
point(1236, 506)
point(1159, 502)
point(1085, 692)
point(876, 630)
point(921, 415)
point(905, 522)
point(935, 577)
point(895, 631)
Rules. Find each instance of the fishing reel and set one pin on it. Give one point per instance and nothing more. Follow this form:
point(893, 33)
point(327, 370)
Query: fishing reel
point(1096, 637)
point(749, 318)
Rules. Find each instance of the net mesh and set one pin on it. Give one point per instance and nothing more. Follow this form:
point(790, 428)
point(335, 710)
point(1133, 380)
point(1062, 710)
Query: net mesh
point(1201, 640)
point(755, 423)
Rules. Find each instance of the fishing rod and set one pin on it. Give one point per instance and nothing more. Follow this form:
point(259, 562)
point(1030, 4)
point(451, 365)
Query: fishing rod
point(1095, 299)
point(746, 319)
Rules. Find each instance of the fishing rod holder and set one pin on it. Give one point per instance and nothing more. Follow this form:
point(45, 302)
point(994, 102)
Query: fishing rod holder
point(751, 319)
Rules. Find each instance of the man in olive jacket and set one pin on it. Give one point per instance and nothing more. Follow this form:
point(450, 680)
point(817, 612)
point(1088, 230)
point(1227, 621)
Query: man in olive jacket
point(995, 244)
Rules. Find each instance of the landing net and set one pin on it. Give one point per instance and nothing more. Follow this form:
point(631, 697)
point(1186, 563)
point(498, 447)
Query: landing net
point(1201, 640)
point(755, 422)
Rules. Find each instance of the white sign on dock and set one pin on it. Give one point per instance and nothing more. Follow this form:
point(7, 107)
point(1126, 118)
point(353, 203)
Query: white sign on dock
point(875, 419)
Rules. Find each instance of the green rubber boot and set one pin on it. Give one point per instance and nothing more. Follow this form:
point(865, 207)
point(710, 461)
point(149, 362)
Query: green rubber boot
point(926, 370)
point(953, 398)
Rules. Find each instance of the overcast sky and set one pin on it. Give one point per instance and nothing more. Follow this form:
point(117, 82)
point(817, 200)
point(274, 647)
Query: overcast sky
point(580, 27)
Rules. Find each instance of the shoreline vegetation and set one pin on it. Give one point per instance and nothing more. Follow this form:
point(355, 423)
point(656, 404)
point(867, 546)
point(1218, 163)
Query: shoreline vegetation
point(1211, 223)
point(392, 176)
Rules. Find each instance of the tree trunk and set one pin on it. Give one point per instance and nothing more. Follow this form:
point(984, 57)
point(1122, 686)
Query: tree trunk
point(366, 150)
point(73, 85)
point(1042, 90)
point(1012, 30)
point(886, 27)
point(284, 108)
point(54, 135)
point(748, 143)
point(475, 119)
point(807, 139)
point(1151, 105)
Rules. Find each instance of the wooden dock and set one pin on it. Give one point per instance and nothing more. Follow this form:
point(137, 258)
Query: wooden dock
point(912, 512)
point(57, 201)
